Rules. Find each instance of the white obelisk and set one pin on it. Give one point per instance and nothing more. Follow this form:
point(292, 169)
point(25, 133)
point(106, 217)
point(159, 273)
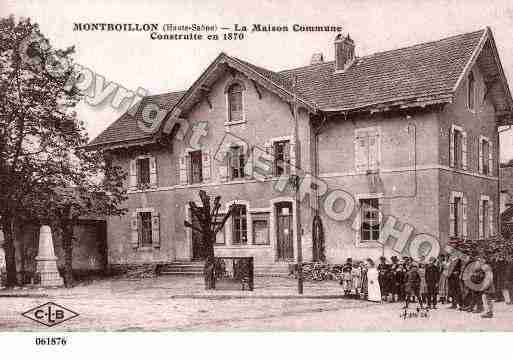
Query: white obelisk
point(47, 261)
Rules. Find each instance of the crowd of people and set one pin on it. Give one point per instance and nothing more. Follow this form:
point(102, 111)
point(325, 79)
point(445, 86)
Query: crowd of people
point(467, 285)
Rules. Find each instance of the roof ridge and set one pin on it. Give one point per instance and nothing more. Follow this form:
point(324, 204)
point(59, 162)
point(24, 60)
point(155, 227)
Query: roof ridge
point(386, 51)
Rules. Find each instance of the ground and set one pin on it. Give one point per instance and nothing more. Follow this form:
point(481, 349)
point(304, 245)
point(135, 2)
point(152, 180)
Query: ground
point(181, 304)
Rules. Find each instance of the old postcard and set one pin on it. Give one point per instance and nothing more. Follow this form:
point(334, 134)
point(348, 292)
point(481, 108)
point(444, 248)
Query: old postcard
point(229, 166)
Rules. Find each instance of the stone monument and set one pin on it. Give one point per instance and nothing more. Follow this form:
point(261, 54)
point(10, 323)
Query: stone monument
point(46, 260)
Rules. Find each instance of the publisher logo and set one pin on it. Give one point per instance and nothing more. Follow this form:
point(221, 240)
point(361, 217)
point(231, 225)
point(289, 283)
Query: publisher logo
point(50, 314)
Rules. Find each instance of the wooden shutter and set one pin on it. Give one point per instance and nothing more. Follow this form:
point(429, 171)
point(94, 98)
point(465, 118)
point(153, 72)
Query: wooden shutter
point(480, 163)
point(490, 217)
point(286, 157)
point(452, 230)
point(373, 152)
point(361, 148)
point(182, 168)
point(481, 234)
point(464, 217)
point(133, 174)
point(134, 230)
point(490, 158)
point(451, 148)
point(155, 230)
point(248, 162)
point(153, 172)
point(206, 165)
point(269, 149)
point(464, 159)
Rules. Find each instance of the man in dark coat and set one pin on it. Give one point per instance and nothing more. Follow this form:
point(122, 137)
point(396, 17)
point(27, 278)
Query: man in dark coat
point(412, 285)
point(383, 277)
point(454, 283)
point(432, 280)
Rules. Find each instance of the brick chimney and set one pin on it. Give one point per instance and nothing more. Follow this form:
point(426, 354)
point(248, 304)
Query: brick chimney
point(344, 52)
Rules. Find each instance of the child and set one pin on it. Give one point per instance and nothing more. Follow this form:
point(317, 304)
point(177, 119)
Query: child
point(356, 274)
point(347, 281)
point(412, 286)
point(400, 276)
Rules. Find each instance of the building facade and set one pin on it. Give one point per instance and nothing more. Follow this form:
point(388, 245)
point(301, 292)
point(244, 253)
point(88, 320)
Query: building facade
point(405, 138)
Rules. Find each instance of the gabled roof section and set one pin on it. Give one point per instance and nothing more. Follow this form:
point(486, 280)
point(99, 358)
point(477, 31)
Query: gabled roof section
point(126, 129)
point(417, 75)
point(425, 71)
point(268, 79)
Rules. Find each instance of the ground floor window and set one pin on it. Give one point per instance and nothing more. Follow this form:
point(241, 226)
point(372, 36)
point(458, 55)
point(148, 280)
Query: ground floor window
point(260, 228)
point(369, 227)
point(239, 225)
point(145, 229)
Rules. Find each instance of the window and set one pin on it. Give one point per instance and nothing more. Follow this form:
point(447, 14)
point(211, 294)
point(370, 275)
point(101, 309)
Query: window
point(145, 229)
point(485, 225)
point(195, 167)
point(457, 215)
point(143, 171)
point(367, 150)
point(471, 92)
point(485, 156)
point(369, 228)
point(458, 148)
point(260, 228)
point(235, 103)
point(239, 225)
point(281, 158)
point(236, 160)
point(485, 217)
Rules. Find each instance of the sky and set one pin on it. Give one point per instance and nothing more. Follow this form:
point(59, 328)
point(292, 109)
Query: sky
point(133, 60)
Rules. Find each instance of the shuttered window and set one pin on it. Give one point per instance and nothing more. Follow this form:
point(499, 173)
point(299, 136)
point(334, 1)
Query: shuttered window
point(236, 161)
point(195, 167)
point(458, 148)
point(235, 103)
point(143, 171)
point(367, 150)
point(485, 219)
point(145, 232)
point(281, 158)
point(485, 156)
point(458, 215)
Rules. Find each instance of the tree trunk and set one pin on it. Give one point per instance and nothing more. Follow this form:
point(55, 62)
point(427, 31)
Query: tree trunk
point(10, 252)
point(209, 268)
point(67, 246)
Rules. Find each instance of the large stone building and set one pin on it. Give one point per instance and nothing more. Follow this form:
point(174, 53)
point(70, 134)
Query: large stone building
point(409, 133)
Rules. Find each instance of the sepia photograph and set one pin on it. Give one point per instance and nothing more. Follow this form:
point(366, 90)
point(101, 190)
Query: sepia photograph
point(176, 167)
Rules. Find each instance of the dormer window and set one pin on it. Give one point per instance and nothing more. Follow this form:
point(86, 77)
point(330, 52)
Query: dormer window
point(235, 113)
point(471, 92)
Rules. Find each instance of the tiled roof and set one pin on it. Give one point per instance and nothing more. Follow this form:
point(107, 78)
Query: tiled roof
point(125, 128)
point(415, 71)
point(419, 71)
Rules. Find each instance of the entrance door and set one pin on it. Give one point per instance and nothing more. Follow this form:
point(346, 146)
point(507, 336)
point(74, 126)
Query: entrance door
point(284, 232)
point(198, 252)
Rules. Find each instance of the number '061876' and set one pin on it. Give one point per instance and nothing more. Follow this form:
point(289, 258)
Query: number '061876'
point(51, 341)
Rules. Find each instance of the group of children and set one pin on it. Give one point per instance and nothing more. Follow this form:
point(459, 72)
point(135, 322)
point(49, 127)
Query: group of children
point(399, 280)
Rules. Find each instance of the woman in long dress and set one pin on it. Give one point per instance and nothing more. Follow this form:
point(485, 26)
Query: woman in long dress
point(374, 292)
